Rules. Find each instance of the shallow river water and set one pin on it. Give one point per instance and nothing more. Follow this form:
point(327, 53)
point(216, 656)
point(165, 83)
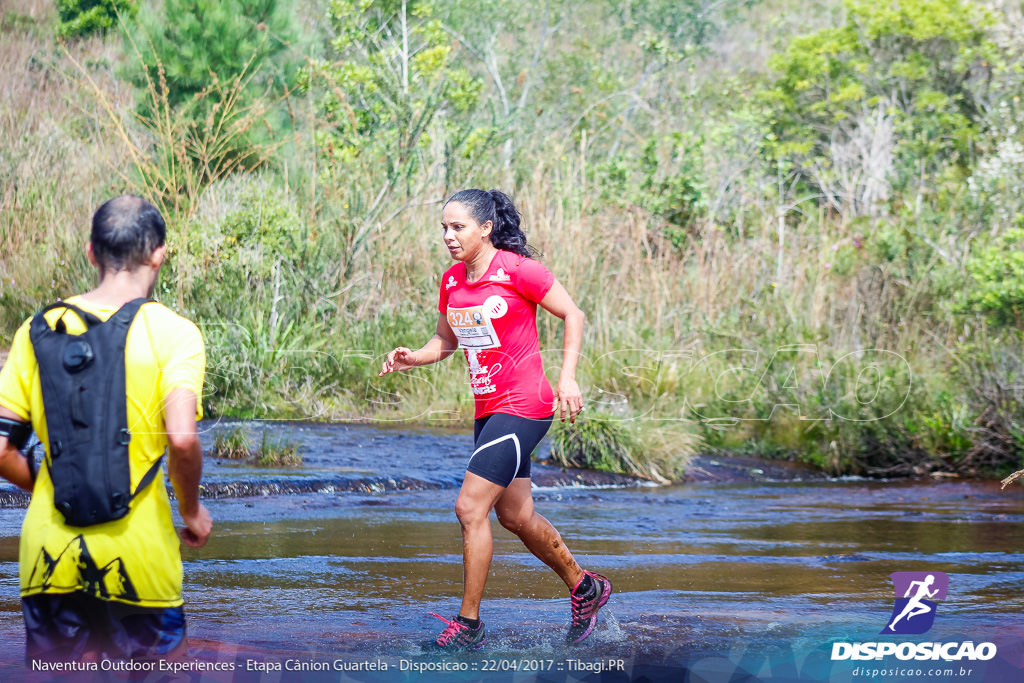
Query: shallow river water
point(753, 580)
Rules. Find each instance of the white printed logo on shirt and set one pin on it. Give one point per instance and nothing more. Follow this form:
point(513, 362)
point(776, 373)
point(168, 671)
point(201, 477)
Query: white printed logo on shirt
point(480, 375)
point(495, 307)
point(451, 282)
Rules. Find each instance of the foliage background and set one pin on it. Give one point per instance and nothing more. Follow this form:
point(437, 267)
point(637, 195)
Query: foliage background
point(795, 225)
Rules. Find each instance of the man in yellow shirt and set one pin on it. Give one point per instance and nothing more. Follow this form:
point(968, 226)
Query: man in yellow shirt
point(114, 589)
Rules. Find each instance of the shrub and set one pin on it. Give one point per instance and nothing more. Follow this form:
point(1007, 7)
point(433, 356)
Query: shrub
point(888, 96)
point(271, 452)
point(998, 272)
point(79, 18)
point(595, 442)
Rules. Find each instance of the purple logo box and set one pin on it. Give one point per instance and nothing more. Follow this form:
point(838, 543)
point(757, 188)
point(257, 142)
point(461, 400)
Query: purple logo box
point(916, 596)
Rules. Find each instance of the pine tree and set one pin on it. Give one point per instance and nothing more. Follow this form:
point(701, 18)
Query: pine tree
point(79, 18)
point(218, 66)
point(191, 50)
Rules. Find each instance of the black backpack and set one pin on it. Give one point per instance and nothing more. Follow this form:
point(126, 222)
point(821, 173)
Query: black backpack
point(83, 386)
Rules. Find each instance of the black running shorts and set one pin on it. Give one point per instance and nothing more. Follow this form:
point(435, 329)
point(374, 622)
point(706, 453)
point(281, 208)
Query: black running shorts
point(503, 444)
point(64, 626)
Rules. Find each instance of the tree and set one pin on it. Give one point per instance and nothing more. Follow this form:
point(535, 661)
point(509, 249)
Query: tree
point(894, 85)
point(80, 18)
point(394, 109)
point(211, 59)
point(512, 45)
point(391, 79)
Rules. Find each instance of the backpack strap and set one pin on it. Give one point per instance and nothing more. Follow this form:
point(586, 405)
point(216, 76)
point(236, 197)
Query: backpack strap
point(124, 315)
point(148, 477)
point(40, 326)
point(146, 480)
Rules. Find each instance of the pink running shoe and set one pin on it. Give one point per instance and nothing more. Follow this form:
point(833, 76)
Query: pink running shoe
point(458, 636)
point(585, 606)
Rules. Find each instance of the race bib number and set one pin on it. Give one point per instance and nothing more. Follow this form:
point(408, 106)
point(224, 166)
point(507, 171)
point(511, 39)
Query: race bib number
point(472, 326)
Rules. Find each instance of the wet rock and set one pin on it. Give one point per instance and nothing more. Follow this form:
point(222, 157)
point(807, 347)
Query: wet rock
point(248, 489)
point(551, 476)
point(14, 499)
point(852, 557)
point(744, 469)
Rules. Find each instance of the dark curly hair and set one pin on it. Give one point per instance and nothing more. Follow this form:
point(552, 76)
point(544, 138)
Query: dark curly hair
point(497, 207)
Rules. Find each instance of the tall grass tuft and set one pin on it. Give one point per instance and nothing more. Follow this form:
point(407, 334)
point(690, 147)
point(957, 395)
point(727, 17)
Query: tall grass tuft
point(232, 445)
point(236, 444)
point(658, 451)
point(596, 442)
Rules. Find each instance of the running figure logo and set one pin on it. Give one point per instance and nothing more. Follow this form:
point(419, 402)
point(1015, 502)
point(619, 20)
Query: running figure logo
point(914, 612)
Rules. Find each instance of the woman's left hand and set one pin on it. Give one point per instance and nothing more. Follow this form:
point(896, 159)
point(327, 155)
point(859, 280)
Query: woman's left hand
point(568, 399)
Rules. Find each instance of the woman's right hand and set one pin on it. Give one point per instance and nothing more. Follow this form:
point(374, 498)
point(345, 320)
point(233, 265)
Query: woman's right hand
point(398, 360)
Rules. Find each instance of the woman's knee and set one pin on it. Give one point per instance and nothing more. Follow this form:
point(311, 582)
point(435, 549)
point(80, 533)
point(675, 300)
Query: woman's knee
point(513, 521)
point(471, 512)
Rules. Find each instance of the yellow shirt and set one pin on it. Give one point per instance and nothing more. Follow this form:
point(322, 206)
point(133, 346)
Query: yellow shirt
point(135, 559)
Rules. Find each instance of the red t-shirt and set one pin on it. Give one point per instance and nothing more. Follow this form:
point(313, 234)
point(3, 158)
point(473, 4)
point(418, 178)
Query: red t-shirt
point(495, 320)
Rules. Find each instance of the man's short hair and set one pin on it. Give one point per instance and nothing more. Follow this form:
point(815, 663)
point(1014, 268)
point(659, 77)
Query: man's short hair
point(126, 231)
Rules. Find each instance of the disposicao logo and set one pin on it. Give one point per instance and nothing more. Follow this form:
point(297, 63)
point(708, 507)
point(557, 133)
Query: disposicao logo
point(916, 593)
point(913, 613)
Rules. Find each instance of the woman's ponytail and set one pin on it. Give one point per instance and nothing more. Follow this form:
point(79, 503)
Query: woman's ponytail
point(507, 234)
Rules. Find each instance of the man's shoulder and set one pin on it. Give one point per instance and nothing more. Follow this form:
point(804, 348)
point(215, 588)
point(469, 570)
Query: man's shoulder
point(169, 333)
point(157, 313)
point(21, 338)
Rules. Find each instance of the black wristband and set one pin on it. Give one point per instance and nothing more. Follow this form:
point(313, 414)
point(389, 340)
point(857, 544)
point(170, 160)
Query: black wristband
point(17, 433)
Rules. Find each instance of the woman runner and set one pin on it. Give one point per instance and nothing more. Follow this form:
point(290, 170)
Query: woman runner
point(488, 307)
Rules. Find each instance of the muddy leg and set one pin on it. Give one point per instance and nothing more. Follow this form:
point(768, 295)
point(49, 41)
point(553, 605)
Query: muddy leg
point(515, 512)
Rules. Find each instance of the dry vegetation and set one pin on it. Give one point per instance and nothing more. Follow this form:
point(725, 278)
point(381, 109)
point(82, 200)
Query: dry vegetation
point(770, 322)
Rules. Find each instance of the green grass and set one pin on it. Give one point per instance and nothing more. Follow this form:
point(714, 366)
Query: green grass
point(271, 452)
point(232, 445)
point(595, 442)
